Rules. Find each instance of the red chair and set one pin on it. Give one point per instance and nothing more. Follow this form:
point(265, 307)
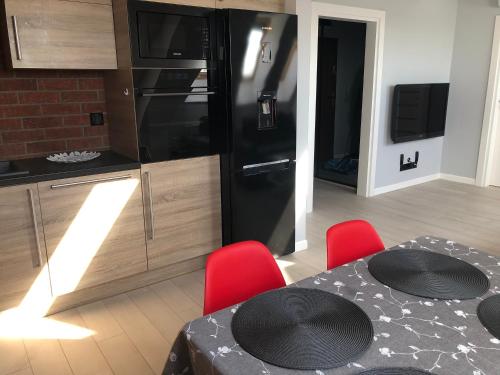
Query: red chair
point(351, 240)
point(237, 272)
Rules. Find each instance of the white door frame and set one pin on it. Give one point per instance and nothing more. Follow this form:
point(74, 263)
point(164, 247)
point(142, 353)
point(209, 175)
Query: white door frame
point(375, 20)
point(491, 113)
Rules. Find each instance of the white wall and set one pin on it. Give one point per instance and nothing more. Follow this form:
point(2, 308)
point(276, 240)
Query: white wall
point(469, 82)
point(419, 39)
point(302, 182)
point(425, 41)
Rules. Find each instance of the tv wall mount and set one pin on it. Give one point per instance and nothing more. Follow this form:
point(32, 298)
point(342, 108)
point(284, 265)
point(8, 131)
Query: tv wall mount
point(409, 164)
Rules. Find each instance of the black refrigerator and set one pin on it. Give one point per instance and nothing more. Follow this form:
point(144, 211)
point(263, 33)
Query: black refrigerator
point(257, 54)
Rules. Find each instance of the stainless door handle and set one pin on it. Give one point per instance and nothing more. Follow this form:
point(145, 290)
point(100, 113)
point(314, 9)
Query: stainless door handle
point(250, 166)
point(88, 182)
point(151, 212)
point(37, 260)
point(165, 94)
point(16, 38)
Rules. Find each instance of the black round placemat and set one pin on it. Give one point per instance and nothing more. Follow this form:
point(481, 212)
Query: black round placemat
point(488, 313)
point(427, 274)
point(304, 329)
point(395, 371)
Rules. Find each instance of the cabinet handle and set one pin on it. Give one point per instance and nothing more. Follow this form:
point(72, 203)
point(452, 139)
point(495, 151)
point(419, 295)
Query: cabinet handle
point(37, 260)
point(88, 182)
point(168, 94)
point(17, 40)
point(151, 211)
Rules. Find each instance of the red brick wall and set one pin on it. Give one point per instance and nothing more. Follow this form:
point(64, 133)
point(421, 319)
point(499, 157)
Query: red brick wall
point(46, 111)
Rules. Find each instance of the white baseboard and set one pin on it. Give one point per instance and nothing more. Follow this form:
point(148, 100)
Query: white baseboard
point(460, 179)
point(421, 180)
point(405, 184)
point(301, 245)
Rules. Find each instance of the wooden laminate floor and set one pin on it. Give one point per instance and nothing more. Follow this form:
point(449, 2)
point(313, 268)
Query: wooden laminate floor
point(132, 333)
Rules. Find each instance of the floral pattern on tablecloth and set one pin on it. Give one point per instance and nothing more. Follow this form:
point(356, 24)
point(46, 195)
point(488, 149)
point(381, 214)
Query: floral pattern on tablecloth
point(443, 337)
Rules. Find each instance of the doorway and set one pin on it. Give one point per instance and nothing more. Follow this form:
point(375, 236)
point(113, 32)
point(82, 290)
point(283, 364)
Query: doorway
point(306, 110)
point(339, 100)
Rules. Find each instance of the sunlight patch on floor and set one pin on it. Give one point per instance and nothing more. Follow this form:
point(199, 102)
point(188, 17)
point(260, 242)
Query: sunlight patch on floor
point(15, 325)
point(283, 265)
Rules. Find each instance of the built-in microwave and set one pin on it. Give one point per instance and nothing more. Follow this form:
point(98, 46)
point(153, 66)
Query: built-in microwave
point(169, 36)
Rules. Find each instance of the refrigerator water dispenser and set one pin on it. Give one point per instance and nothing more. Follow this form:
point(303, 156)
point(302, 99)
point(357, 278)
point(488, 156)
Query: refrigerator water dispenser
point(267, 110)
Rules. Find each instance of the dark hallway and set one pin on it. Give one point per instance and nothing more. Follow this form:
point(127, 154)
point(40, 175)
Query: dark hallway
point(341, 54)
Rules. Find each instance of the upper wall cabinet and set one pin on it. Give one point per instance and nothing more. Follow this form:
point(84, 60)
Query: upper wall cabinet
point(60, 34)
point(277, 6)
point(195, 3)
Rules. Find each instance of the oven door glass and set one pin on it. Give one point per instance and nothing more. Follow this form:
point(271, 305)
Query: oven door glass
point(175, 125)
point(169, 36)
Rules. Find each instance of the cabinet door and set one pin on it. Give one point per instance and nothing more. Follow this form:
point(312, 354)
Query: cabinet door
point(61, 34)
point(196, 3)
point(277, 6)
point(23, 257)
point(182, 209)
point(94, 229)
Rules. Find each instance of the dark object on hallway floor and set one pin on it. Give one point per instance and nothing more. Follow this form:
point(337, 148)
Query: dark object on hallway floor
point(304, 329)
point(488, 313)
point(347, 165)
point(427, 274)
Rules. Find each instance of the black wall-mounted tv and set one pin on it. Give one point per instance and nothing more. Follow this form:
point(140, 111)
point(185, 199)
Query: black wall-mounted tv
point(419, 111)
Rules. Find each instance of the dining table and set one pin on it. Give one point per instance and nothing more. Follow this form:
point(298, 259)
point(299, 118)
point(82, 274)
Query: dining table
point(438, 336)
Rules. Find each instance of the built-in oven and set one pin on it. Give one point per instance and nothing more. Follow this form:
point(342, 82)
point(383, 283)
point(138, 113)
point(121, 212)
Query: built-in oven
point(170, 36)
point(175, 112)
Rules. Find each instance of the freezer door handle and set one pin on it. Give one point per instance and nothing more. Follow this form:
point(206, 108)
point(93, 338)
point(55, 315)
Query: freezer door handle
point(254, 169)
point(277, 162)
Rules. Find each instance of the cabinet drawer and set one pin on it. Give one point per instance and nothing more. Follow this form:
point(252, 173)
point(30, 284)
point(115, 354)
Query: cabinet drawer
point(94, 229)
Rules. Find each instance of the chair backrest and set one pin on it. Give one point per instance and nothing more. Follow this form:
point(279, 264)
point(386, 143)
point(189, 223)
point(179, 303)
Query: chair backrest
point(351, 240)
point(237, 272)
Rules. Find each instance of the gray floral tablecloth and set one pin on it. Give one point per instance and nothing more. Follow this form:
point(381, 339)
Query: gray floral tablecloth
point(443, 337)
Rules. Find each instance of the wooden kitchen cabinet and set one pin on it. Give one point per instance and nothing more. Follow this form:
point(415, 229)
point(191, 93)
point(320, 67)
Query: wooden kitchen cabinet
point(60, 34)
point(182, 209)
point(23, 257)
point(94, 229)
point(277, 6)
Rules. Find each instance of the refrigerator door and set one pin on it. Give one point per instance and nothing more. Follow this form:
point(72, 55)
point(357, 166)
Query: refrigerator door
point(264, 206)
point(263, 86)
point(258, 164)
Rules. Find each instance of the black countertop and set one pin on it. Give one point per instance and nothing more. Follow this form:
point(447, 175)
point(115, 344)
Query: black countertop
point(40, 169)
